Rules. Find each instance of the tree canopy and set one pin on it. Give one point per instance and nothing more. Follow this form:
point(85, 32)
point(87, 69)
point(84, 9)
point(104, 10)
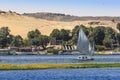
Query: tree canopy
point(56, 33)
point(100, 36)
point(4, 33)
point(61, 34)
point(17, 41)
point(37, 39)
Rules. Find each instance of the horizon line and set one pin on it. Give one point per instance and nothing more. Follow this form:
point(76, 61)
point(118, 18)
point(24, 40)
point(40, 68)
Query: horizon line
point(59, 13)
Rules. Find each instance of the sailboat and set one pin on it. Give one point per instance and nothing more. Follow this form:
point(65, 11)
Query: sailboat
point(84, 47)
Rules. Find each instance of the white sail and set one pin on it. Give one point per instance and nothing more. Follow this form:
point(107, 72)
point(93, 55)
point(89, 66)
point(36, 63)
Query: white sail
point(83, 45)
point(91, 49)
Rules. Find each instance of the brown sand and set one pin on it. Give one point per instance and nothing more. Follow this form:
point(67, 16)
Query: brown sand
point(21, 25)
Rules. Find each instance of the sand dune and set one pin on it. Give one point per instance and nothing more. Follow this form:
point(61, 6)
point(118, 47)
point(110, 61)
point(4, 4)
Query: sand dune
point(20, 25)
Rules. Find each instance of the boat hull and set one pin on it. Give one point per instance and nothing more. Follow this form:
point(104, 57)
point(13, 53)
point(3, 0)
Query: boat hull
point(85, 57)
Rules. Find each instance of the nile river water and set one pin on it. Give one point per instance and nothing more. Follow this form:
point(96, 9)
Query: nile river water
point(27, 59)
point(63, 74)
point(60, 74)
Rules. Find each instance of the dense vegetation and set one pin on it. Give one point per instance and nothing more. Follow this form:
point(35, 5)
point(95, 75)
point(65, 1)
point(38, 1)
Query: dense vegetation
point(104, 38)
point(56, 66)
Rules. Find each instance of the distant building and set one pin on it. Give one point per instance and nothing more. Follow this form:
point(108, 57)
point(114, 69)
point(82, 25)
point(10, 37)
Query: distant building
point(4, 51)
point(54, 41)
point(69, 47)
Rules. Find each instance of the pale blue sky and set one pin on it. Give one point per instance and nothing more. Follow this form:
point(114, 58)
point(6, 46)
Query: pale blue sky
point(72, 7)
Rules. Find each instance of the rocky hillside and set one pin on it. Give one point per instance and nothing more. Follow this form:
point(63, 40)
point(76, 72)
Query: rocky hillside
point(21, 24)
point(63, 17)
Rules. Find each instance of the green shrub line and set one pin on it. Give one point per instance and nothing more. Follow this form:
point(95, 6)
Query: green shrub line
point(57, 66)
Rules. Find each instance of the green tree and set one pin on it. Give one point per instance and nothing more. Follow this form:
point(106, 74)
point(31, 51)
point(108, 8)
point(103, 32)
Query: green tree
point(107, 43)
point(44, 40)
point(37, 39)
point(74, 40)
point(56, 33)
point(99, 34)
point(4, 33)
point(34, 37)
point(33, 34)
point(65, 34)
point(110, 37)
point(9, 39)
point(27, 42)
point(91, 35)
point(17, 41)
point(118, 38)
point(75, 30)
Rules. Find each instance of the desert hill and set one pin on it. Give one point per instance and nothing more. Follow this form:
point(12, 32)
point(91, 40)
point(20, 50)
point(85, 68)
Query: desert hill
point(20, 24)
point(63, 17)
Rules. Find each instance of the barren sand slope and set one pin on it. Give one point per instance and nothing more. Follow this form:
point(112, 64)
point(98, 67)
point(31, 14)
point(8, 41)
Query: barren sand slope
point(21, 25)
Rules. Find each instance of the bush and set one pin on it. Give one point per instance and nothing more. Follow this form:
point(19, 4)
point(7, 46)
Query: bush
point(100, 48)
point(54, 51)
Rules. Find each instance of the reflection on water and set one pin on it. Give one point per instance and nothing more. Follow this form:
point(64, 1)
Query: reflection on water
point(62, 74)
point(57, 59)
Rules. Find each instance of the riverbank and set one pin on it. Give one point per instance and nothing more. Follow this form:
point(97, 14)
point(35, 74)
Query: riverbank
point(56, 66)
